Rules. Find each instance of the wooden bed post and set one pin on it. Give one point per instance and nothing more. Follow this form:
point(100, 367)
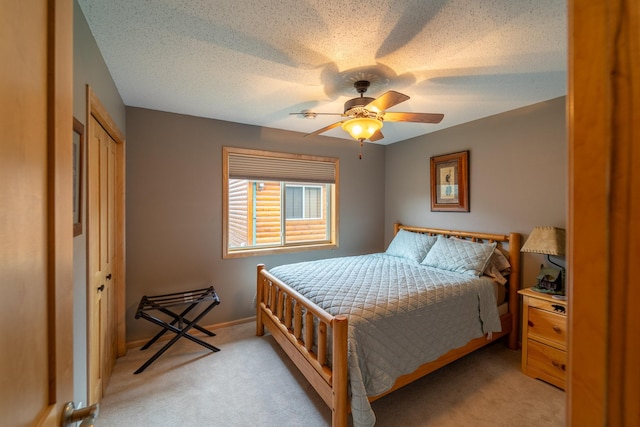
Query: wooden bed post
point(514, 287)
point(259, 292)
point(340, 397)
point(396, 228)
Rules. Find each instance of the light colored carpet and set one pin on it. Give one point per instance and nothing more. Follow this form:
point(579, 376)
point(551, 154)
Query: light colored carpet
point(250, 382)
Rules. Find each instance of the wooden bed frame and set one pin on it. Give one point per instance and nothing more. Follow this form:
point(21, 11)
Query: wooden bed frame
point(284, 312)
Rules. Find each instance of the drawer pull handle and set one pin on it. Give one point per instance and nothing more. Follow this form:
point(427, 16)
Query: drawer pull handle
point(558, 365)
point(558, 308)
point(557, 329)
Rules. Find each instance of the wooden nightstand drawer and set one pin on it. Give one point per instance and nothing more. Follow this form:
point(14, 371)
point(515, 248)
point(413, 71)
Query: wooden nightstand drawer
point(547, 327)
point(544, 337)
point(553, 306)
point(546, 363)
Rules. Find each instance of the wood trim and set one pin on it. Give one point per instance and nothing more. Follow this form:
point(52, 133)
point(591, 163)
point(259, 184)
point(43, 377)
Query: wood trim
point(101, 114)
point(589, 145)
point(604, 189)
point(60, 202)
point(624, 343)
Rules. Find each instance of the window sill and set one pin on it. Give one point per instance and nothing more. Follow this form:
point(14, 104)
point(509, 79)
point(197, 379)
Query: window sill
point(243, 253)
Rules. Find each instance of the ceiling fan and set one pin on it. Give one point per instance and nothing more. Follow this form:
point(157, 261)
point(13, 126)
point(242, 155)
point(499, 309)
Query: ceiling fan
point(366, 115)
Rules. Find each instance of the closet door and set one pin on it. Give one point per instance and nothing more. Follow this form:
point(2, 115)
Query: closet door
point(102, 251)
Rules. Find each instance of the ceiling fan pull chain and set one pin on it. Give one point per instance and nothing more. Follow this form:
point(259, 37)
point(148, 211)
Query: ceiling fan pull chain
point(361, 144)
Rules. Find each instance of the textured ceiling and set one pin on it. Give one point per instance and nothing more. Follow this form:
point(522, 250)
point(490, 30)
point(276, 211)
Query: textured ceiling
point(256, 61)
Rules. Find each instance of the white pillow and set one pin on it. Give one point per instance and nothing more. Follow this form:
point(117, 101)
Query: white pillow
point(409, 245)
point(460, 256)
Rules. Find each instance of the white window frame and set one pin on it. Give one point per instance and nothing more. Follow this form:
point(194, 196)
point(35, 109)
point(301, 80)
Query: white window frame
point(305, 215)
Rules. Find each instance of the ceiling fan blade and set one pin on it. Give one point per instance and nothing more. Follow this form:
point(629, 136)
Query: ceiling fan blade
point(324, 129)
point(387, 100)
point(376, 136)
point(312, 114)
point(413, 117)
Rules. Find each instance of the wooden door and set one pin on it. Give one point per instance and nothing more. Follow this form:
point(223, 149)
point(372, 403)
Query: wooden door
point(102, 253)
point(36, 232)
point(604, 207)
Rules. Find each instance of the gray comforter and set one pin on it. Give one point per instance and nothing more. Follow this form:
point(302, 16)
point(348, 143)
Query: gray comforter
point(401, 315)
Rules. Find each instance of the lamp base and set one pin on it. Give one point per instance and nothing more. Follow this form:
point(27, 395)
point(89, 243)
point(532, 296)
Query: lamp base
point(552, 292)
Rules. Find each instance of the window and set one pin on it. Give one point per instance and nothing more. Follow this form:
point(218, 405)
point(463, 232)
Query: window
point(278, 202)
point(303, 201)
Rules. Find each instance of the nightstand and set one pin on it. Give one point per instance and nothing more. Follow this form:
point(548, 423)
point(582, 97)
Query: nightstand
point(544, 337)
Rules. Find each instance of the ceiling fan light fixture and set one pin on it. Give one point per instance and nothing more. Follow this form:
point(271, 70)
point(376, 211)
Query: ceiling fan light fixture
point(362, 128)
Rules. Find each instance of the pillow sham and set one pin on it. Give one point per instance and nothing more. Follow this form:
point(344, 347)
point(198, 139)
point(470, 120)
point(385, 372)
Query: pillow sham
point(498, 267)
point(493, 272)
point(410, 245)
point(500, 261)
point(460, 256)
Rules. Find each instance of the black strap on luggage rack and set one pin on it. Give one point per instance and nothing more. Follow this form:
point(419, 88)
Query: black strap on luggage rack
point(162, 303)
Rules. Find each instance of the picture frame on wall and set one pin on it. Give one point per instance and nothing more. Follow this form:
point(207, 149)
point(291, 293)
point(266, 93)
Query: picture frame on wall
point(450, 182)
point(78, 154)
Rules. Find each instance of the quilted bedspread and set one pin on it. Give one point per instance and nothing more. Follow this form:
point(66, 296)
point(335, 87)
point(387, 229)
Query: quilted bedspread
point(401, 315)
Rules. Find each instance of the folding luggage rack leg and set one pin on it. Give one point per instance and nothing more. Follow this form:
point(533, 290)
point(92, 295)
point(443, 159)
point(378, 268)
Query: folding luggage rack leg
point(162, 304)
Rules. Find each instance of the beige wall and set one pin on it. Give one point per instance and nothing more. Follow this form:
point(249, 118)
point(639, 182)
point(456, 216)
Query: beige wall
point(174, 208)
point(517, 174)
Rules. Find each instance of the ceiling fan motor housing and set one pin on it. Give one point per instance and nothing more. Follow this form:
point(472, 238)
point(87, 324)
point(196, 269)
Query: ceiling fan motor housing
point(357, 102)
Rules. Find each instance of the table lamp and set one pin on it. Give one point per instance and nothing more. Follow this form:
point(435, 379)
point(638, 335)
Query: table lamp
point(548, 241)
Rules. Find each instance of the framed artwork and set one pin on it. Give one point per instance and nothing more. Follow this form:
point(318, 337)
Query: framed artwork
point(78, 154)
point(450, 182)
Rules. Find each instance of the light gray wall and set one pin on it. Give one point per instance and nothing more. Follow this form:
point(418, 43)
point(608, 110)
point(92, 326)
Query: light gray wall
point(174, 208)
point(517, 175)
point(88, 68)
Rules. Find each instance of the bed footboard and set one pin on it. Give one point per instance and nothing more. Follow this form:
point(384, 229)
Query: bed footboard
point(302, 330)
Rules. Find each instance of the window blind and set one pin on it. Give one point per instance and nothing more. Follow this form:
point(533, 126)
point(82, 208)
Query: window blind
point(268, 166)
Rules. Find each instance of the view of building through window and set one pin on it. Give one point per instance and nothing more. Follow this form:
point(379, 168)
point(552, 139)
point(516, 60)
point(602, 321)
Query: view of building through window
point(284, 211)
point(256, 213)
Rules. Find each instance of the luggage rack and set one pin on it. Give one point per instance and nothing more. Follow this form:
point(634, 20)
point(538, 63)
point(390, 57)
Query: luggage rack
point(163, 303)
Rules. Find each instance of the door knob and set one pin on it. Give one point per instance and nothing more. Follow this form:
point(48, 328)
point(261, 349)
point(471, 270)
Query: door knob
point(71, 415)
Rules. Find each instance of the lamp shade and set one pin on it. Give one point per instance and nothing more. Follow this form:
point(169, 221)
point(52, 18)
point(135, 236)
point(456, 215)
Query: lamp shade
point(362, 127)
point(545, 240)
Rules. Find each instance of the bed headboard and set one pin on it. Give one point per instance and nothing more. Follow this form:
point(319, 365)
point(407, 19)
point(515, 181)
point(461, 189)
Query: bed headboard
point(511, 240)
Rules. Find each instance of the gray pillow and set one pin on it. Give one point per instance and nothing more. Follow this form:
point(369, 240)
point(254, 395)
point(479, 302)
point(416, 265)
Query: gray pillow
point(460, 256)
point(409, 245)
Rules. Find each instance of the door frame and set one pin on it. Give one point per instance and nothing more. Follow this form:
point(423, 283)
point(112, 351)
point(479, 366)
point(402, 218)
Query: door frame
point(96, 109)
point(36, 264)
point(603, 118)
